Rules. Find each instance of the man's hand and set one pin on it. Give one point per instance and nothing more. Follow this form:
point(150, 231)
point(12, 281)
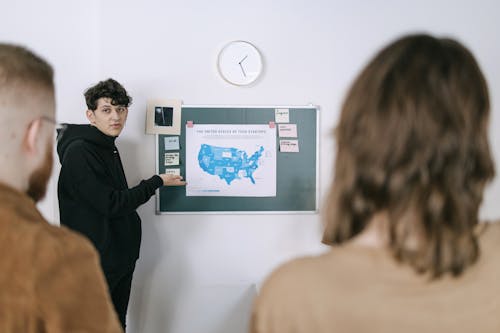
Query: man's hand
point(172, 180)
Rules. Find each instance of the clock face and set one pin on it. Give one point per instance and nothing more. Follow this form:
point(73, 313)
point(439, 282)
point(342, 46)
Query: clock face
point(240, 63)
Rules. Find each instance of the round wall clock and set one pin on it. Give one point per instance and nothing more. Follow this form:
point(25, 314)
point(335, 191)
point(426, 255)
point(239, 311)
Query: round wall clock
point(240, 63)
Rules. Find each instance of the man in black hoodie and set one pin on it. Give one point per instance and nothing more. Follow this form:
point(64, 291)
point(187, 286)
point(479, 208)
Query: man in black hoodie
point(94, 197)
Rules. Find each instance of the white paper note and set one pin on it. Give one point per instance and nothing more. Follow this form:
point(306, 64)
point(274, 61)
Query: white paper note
point(287, 130)
point(281, 115)
point(173, 171)
point(289, 146)
point(172, 143)
point(171, 159)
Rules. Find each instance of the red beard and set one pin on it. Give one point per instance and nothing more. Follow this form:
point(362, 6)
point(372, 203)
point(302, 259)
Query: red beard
point(38, 180)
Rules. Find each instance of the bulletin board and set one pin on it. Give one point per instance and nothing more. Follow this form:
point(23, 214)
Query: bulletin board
point(296, 172)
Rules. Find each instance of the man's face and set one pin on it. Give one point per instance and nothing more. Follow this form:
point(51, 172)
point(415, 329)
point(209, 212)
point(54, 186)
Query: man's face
point(109, 119)
point(37, 186)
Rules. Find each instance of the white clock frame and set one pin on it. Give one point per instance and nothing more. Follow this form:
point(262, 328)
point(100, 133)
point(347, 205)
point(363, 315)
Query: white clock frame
point(240, 63)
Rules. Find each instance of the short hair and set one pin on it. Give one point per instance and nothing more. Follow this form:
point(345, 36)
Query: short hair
point(412, 141)
point(107, 89)
point(18, 65)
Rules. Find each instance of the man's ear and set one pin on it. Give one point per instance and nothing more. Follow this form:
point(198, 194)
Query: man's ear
point(32, 136)
point(91, 116)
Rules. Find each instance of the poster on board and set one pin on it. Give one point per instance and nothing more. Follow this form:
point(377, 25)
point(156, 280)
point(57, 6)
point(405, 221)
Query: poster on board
point(231, 160)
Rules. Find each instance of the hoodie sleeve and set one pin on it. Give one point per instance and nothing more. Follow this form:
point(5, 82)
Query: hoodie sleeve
point(88, 179)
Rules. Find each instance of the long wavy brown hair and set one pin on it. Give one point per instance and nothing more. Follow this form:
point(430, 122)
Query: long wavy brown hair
point(412, 142)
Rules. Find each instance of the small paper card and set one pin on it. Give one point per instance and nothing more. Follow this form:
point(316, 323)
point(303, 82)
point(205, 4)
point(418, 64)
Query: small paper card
point(172, 143)
point(282, 115)
point(171, 159)
point(173, 171)
point(287, 130)
point(289, 146)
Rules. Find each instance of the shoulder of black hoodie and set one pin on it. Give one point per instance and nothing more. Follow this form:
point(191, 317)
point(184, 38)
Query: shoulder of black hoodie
point(85, 172)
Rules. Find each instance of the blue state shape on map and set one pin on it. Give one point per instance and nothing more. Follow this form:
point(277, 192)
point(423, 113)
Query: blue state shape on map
point(228, 163)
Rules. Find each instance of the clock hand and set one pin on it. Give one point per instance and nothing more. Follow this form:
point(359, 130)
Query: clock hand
point(243, 59)
point(243, 70)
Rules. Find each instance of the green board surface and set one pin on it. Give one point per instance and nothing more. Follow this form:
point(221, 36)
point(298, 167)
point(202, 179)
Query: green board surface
point(296, 173)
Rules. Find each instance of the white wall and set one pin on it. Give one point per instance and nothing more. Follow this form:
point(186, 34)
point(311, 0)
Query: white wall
point(66, 34)
point(196, 272)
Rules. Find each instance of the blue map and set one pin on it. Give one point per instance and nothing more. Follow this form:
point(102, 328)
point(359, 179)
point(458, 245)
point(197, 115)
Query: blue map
point(228, 163)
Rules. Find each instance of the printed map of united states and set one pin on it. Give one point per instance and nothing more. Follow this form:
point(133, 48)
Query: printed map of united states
point(228, 163)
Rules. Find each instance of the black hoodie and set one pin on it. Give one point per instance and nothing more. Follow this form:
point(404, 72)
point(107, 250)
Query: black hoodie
point(94, 197)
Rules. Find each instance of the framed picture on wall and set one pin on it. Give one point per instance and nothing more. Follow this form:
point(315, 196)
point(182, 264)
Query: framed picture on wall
point(163, 116)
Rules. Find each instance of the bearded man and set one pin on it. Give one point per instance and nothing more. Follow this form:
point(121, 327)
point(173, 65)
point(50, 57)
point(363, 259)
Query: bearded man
point(43, 268)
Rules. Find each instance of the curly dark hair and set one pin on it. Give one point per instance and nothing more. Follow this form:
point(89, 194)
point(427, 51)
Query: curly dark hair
point(412, 141)
point(108, 89)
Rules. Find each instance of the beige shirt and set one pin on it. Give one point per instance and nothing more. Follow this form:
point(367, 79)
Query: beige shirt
point(361, 289)
point(50, 278)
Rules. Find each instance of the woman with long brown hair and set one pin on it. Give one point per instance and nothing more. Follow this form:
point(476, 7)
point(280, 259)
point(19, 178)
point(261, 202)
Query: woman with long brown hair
point(408, 252)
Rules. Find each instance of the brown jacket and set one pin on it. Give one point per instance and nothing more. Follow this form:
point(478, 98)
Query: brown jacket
point(360, 289)
point(50, 279)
